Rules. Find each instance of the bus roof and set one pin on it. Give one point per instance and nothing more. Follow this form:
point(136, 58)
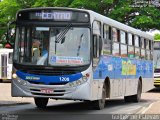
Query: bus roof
point(103, 19)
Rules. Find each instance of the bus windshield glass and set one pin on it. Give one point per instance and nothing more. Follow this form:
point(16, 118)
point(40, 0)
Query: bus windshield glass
point(52, 46)
point(157, 54)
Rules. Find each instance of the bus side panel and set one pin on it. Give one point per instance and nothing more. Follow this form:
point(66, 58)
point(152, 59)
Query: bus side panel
point(103, 69)
point(148, 81)
point(131, 79)
point(111, 67)
point(124, 74)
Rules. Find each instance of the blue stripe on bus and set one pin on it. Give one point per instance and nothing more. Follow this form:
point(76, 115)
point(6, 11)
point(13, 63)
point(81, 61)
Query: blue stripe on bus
point(48, 79)
point(122, 68)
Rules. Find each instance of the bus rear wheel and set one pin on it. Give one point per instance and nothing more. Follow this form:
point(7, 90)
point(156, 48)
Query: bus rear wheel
point(100, 104)
point(137, 97)
point(41, 102)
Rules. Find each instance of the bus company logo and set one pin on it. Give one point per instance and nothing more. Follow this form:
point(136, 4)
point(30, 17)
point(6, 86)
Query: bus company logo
point(145, 3)
point(32, 78)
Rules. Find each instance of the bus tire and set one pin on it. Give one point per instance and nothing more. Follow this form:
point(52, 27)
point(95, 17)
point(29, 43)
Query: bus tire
point(100, 104)
point(127, 98)
point(137, 97)
point(41, 102)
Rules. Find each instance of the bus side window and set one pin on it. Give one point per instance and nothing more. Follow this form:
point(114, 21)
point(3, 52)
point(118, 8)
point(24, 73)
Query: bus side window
point(151, 48)
point(130, 46)
point(116, 40)
point(137, 46)
point(107, 40)
point(143, 48)
point(147, 49)
point(97, 40)
point(123, 44)
point(10, 58)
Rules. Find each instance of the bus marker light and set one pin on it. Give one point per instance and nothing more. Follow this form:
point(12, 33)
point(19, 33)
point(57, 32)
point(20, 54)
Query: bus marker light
point(87, 75)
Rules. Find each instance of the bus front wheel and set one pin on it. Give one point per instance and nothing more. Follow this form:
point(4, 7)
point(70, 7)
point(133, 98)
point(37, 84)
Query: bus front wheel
point(41, 102)
point(100, 104)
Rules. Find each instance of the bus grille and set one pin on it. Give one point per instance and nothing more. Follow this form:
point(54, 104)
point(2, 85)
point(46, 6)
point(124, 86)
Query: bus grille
point(51, 72)
point(41, 83)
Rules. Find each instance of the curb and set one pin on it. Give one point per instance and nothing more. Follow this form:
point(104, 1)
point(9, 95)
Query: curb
point(13, 104)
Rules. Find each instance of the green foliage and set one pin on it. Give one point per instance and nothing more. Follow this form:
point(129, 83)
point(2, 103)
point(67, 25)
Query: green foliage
point(25, 3)
point(157, 36)
point(143, 18)
point(62, 3)
point(8, 11)
point(44, 3)
point(87, 4)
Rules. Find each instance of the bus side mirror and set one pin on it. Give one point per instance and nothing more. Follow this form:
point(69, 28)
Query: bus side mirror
point(10, 36)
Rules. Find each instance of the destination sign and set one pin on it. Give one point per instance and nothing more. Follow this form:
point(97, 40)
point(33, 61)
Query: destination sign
point(51, 15)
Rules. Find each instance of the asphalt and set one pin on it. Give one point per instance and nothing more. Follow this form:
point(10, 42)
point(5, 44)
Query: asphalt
point(11, 103)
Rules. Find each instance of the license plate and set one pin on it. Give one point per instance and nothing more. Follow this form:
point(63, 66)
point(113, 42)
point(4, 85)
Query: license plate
point(47, 91)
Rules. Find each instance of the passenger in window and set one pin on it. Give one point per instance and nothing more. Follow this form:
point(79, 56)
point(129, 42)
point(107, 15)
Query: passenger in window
point(44, 54)
point(36, 43)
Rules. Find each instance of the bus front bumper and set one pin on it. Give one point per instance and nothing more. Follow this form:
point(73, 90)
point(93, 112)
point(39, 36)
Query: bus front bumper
point(21, 88)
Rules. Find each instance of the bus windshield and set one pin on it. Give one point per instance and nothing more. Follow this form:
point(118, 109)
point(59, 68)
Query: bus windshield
point(157, 55)
point(52, 46)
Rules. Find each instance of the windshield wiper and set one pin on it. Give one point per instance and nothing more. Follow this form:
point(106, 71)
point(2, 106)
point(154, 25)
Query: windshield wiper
point(62, 34)
point(79, 46)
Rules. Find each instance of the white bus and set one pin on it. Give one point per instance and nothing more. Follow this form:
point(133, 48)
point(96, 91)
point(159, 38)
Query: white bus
point(82, 55)
point(6, 64)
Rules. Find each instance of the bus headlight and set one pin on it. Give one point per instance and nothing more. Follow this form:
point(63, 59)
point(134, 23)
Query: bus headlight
point(14, 75)
point(80, 81)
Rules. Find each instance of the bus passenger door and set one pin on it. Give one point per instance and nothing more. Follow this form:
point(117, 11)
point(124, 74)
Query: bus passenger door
point(97, 48)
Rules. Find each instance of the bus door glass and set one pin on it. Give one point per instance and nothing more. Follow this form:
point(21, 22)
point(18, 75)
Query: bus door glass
point(97, 42)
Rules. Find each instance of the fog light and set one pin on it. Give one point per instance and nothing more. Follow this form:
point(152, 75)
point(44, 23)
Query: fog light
point(22, 82)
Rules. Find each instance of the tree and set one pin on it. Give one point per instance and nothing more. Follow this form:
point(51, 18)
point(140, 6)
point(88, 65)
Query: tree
point(25, 3)
point(157, 36)
point(8, 9)
point(44, 3)
point(145, 17)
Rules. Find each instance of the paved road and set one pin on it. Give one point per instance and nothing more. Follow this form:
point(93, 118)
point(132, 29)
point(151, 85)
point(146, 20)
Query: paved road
point(70, 108)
